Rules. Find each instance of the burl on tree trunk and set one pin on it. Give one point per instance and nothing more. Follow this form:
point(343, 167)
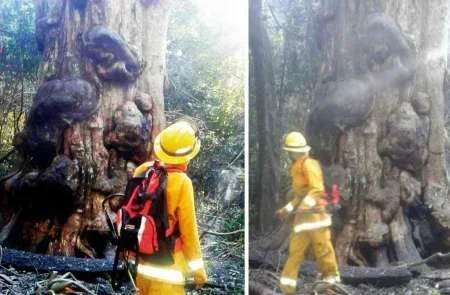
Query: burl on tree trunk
point(377, 121)
point(99, 104)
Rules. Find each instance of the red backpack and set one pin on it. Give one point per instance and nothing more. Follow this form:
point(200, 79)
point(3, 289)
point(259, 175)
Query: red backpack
point(141, 228)
point(142, 222)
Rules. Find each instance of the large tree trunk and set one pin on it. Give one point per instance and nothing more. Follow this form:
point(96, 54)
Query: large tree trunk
point(377, 120)
point(99, 105)
point(264, 135)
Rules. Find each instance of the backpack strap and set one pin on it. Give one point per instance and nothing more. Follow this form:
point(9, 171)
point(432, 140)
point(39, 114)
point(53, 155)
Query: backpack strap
point(176, 167)
point(155, 210)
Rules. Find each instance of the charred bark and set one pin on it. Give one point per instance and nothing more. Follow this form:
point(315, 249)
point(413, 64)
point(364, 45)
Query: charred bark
point(42, 262)
point(99, 104)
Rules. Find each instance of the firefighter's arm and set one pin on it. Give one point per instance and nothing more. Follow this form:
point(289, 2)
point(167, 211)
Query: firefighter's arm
point(315, 184)
point(296, 195)
point(189, 234)
point(289, 207)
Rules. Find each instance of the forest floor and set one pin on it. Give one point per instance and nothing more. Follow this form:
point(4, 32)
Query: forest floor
point(223, 255)
point(416, 286)
point(14, 282)
point(422, 285)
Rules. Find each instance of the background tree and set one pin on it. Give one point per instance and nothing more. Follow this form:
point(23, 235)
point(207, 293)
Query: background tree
point(264, 134)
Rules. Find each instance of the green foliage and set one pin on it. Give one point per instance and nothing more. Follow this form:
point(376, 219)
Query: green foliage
point(235, 220)
point(205, 73)
point(5, 167)
point(18, 49)
point(19, 61)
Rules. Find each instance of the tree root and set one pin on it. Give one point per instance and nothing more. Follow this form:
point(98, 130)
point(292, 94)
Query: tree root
point(320, 286)
point(55, 284)
point(6, 230)
point(424, 261)
point(263, 282)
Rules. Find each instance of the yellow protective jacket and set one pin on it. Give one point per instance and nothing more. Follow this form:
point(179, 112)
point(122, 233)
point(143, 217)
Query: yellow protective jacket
point(307, 184)
point(181, 210)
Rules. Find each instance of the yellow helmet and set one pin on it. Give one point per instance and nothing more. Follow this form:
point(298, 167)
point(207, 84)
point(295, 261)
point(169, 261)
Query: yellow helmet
point(177, 144)
point(295, 142)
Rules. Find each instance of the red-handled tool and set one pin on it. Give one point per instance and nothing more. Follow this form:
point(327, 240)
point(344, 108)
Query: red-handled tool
point(328, 204)
point(335, 195)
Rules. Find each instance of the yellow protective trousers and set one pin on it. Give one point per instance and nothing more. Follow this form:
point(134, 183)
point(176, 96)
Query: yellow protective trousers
point(163, 280)
point(152, 287)
point(320, 241)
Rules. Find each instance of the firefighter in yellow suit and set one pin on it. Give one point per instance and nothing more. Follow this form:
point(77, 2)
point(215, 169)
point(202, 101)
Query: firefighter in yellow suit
point(310, 229)
point(175, 146)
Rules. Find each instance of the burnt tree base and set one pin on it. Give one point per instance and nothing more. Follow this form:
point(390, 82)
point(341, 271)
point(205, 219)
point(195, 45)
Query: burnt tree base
point(81, 266)
point(42, 262)
point(377, 276)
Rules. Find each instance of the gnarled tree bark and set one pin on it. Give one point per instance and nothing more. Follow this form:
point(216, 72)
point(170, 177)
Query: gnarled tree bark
point(377, 117)
point(99, 104)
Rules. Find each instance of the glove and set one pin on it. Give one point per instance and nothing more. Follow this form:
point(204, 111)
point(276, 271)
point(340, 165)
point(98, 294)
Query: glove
point(308, 203)
point(281, 213)
point(304, 207)
point(200, 278)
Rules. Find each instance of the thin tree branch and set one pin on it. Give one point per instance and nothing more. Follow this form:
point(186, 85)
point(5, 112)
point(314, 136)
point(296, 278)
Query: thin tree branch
point(280, 25)
point(235, 158)
point(7, 155)
point(223, 234)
